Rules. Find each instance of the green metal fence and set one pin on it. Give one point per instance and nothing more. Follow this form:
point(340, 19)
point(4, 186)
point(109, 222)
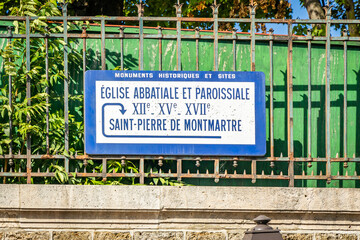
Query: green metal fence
point(312, 92)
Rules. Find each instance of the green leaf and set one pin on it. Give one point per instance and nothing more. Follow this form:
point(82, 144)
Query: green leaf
point(66, 154)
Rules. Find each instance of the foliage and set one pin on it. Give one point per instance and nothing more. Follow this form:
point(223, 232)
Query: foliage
point(227, 9)
point(5, 5)
point(301, 29)
point(194, 8)
point(45, 94)
point(346, 9)
point(240, 9)
point(162, 181)
point(46, 98)
point(340, 9)
point(31, 119)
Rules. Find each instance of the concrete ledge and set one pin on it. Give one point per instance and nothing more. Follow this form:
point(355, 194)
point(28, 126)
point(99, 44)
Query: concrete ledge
point(74, 197)
point(154, 208)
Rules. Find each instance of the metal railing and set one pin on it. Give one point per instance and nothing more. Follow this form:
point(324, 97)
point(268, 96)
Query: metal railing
point(187, 167)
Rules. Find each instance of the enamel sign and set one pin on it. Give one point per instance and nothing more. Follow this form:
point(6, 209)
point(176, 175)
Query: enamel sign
point(175, 113)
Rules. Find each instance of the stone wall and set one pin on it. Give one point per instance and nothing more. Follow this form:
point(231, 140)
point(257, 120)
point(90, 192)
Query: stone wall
point(59, 212)
point(159, 235)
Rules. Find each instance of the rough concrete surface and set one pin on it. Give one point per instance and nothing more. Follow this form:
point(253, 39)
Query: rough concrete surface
point(205, 236)
point(26, 236)
point(11, 196)
point(334, 236)
point(112, 236)
point(158, 235)
point(235, 235)
point(72, 235)
point(297, 236)
point(270, 198)
point(185, 197)
point(178, 209)
point(89, 197)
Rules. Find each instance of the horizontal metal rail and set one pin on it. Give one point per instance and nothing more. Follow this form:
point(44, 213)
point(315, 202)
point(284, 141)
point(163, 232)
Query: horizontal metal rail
point(183, 19)
point(186, 167)
point(239, 36)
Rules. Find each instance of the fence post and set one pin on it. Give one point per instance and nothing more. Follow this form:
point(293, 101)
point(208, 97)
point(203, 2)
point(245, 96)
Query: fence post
point(28, 96)
point(290, 110)
point(252, 8)
point(140, 7)
point(178, 6)
point(66, 86)
point(327, 97)
point(215, 9)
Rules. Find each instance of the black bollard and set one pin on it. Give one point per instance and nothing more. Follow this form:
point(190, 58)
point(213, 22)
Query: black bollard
point(262, 231)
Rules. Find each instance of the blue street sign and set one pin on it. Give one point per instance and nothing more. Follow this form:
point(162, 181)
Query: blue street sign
point(175, 113)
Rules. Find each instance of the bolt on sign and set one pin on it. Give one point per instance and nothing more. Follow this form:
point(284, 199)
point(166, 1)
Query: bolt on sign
point(175, 113)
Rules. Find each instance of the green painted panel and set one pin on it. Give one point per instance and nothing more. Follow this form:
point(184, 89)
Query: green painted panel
point(300, 93)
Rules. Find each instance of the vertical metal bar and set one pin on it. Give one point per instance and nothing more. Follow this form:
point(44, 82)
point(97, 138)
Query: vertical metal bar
point(10, 97)
point(84, 36)
point(66, 87)
point(10, 113)
point(47, 90)
point(290, 113)
point(179, 169)
point(160, 48)
point(345, 34)
point(28, 96)
point(309, 94)
point(141, 170)
point(215, 8)
point(141, 34)
point(234, 48)
point(122, 48)
point(252, 32)
point(217, 169)
point(253, 171)
point(178, 34)
point(104, 169)
point(271, 93)
point(327, 97)
point(197, 36)
point(103, 52)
